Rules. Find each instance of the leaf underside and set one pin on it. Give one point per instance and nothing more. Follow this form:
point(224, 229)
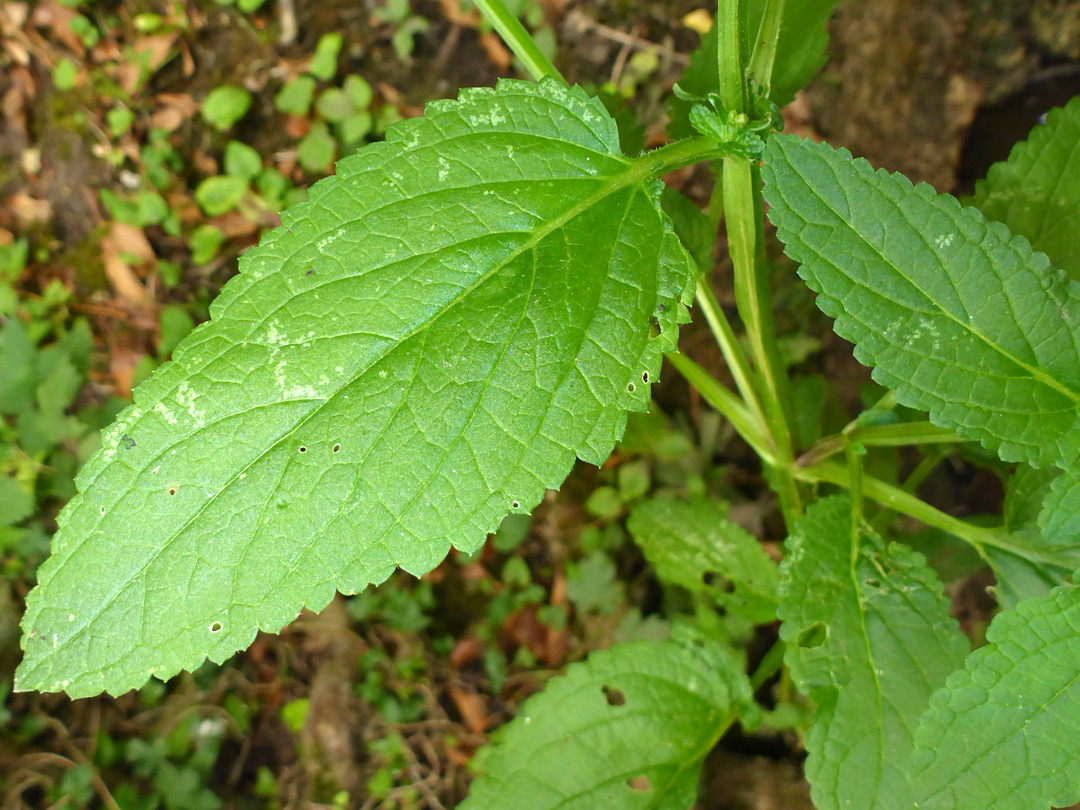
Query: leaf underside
point(1036, 192)
point(626, 729)
point(695, 545)
point(869, 637)
point(960, 317)
point(424, 346)
point(1004, 732)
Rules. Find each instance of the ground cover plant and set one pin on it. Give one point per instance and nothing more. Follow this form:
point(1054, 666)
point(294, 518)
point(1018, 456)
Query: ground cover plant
point(429, 342)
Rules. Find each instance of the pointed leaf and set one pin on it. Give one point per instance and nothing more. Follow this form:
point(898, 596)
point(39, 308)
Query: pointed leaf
point(696, 546)
point(1036, 192)
point(424, 346)
point(869, 638)
point(626, 729)
point(1004, 732)
point(961, 318)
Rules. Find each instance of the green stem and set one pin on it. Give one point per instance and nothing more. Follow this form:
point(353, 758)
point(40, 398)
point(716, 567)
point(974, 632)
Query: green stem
point(744, 216)
point(878, 436)
point(682, 153)
point(769, 665)
point(519, 40)
point(883, 520)
point(731, 53)
point(896, 499)
point(732, 351)
point(726, 403)
point(716, 198)
point(764, 56)
point(855, 479)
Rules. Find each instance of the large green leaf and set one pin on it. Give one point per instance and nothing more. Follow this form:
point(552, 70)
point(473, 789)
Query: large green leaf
point(1036, 192)
point(423, 347)
point(696, 546)
point(963, 319)
point(1004, 732)
point(625, 730)
point(869, 638)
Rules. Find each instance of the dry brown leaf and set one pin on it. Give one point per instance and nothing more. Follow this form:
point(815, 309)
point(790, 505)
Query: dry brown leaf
point(151, 53)
point(465, 651)
point(473, 709)
point(453, 12)
point(57, 18)
point(27, 210)
point(123, 359)
point(122, 278)
point(496, 52)
point(131, 239)
point(12, 16)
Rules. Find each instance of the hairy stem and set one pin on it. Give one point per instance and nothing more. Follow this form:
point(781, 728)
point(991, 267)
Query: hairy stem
point(768, 36)
point(878, 436)
point(744, 216)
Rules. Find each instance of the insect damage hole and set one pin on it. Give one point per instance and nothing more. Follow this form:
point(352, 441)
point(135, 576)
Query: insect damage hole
point(172, 488)
point(631, 387)
point(644, 376)
point(515, 505)
point(215, 627)
point(302, 448)
point(337, 447)
point(614, 697)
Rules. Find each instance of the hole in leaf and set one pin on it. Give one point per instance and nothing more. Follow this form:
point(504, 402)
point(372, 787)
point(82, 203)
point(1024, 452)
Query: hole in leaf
point(172, 488)
point(873, 583)
point(614, 697)
point(640, 784)
point(645, 376)
point(216, 627)
point(515, 505)
point(337, 447)
point(631, 388)
point(303, 449)
point(813, 636)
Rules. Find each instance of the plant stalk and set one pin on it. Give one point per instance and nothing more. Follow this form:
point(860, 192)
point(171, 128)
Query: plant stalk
point(518, 39)
point(726, 403)
point(744, 217)
point(768, 37)
point(898, 500)
point(878, 436)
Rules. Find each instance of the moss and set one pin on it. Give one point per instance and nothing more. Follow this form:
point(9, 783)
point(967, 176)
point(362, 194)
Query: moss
point(85, 257)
